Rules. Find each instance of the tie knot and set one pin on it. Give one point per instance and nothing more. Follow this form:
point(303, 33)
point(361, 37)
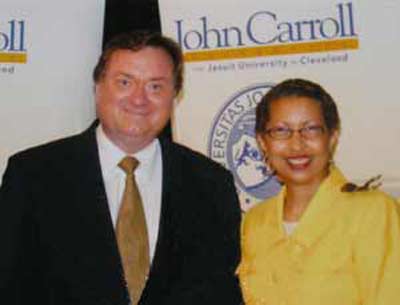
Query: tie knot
point(128, 165)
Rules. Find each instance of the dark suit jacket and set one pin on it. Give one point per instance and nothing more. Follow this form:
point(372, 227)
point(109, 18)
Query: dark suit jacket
point(58, 244)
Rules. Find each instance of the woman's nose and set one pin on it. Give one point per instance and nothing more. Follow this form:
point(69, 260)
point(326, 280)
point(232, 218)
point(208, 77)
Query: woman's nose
point(297, 140)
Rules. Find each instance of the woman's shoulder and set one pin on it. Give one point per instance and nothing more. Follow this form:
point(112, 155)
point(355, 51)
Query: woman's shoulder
point(370, 198)
point(370, 204)
point(361, 198)
point(262, 211)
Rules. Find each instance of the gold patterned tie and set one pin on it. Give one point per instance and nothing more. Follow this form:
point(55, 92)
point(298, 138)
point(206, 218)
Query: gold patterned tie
point(131, 231)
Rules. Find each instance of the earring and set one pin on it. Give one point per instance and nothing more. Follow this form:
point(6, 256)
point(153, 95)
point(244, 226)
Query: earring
point(268, 169)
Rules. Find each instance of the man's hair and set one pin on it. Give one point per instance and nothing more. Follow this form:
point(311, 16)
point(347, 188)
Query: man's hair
point(136, 41)
point(298, 88)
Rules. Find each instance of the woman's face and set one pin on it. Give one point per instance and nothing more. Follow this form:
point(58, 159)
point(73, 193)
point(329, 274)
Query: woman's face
point(297, 143)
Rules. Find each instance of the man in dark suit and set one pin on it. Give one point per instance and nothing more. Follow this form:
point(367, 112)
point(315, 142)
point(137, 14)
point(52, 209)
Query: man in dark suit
point(59, 202)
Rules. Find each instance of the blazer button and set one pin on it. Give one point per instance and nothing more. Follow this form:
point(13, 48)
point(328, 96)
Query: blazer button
point(298, 249)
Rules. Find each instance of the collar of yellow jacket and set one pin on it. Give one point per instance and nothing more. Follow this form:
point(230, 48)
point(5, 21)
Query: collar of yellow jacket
point(319, 214)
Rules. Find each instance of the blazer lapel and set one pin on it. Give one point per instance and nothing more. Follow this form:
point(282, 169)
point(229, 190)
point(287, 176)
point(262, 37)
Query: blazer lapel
point(316, 220)
point(318, 217)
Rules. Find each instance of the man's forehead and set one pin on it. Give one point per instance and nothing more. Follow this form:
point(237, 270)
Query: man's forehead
point(148, 57)
point(146, 51)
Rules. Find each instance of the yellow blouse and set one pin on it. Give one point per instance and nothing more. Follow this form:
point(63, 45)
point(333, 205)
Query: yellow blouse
point(344, 251)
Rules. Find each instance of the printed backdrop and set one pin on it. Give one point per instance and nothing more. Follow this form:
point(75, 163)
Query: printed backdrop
point(47, 52)
point(236, 50)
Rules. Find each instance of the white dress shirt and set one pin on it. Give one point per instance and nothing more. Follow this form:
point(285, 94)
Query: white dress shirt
point(148, 178)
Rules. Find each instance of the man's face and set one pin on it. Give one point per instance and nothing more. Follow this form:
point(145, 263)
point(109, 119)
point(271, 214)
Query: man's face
point(134, 97)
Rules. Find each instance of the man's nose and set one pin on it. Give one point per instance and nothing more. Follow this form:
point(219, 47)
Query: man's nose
point(138, 95)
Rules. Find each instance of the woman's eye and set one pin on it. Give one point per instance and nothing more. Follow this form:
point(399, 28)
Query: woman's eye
point(281, 130)
point(314, 129)
point(279, 133)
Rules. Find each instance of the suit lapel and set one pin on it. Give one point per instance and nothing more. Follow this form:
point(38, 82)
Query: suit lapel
point(90, 186)
point(163, 261)
point(95, 216)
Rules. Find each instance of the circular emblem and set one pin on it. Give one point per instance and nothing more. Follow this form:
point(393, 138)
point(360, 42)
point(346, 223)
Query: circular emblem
point(232, 142)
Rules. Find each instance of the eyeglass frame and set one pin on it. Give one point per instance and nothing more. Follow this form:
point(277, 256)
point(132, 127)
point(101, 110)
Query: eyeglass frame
point(302, 131)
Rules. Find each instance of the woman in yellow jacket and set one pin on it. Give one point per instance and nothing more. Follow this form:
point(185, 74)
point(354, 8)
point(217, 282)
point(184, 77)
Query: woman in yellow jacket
point(321, 240)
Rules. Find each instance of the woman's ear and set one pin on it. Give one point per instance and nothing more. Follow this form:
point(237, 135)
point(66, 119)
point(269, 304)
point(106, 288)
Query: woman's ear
point(261, 144)
point(333, 141)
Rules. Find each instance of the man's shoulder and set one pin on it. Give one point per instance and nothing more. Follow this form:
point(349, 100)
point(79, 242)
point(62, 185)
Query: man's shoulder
point(58, 148)
point(189, 159)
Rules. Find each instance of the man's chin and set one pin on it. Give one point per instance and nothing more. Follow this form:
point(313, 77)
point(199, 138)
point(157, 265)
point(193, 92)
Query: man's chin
point(139, 135)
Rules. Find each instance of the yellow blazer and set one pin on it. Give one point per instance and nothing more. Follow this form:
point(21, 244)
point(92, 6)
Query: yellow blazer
point(344, 251)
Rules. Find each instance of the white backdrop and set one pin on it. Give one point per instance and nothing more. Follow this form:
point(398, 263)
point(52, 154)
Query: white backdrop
point(47, 52)
point(235, 50)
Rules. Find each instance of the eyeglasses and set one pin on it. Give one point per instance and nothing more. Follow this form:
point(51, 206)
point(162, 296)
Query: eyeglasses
point(308, 132)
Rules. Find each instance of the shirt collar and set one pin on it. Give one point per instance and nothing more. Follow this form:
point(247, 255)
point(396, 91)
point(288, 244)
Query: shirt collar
point(110, 155)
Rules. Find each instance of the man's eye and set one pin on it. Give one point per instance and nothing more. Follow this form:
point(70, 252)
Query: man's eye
point(154, 87)
point(124, 82)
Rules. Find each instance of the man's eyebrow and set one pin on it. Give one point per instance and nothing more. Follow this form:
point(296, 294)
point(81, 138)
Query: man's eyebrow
point(125, 75)
point(159, 78)
point(155, 78)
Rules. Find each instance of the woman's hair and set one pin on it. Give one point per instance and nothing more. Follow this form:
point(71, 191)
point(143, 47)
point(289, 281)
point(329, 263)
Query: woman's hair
point(298, 88)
